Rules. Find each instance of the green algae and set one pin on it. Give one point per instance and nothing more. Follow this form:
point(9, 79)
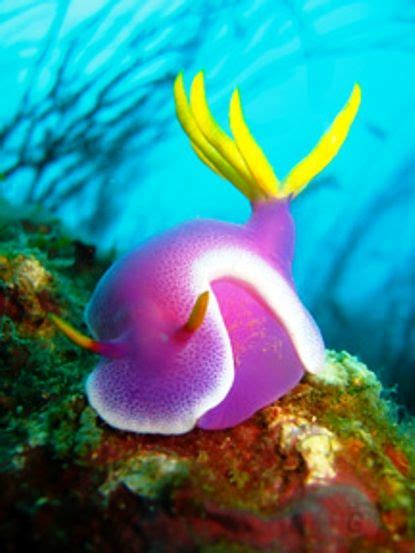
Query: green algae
point(350, 400)
point(42, 399)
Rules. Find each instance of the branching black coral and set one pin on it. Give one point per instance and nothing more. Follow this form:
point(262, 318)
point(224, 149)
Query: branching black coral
point(93, 101)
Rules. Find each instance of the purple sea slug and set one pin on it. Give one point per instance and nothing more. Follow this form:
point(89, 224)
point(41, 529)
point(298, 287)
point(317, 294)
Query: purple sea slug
point(202, 326)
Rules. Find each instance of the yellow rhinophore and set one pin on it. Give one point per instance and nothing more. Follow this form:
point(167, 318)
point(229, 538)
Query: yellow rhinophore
point(240, 159)
point(73, 334)
point(198, 313)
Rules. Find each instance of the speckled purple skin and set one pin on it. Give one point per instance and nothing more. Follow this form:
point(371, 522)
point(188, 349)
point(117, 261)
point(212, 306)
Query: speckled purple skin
point(164, 380)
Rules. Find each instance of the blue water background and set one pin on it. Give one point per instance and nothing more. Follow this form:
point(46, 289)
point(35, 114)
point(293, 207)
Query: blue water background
point(87, 130)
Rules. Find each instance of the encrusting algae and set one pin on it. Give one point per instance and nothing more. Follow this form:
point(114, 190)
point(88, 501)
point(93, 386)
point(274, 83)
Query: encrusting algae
point(329, 463)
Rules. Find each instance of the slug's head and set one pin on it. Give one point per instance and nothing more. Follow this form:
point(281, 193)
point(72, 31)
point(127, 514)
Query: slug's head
point(164, 371)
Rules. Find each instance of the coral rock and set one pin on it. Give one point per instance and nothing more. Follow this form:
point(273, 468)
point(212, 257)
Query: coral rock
point(328, 468)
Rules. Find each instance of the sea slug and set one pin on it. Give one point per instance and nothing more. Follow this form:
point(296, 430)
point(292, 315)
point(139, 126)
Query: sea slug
point(202, 326)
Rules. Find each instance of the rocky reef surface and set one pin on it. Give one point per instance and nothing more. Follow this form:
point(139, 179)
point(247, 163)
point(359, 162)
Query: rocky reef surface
point(329, 468)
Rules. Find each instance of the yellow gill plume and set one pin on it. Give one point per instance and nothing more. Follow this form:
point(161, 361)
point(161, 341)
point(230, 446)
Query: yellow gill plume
point(326, 149)
point(262, 173)
point(240, 159)
point(201, 145)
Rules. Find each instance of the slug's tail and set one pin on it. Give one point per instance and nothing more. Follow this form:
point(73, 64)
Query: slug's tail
point(240, 159)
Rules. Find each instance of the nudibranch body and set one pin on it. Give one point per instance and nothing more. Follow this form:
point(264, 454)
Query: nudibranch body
point(202, 325)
